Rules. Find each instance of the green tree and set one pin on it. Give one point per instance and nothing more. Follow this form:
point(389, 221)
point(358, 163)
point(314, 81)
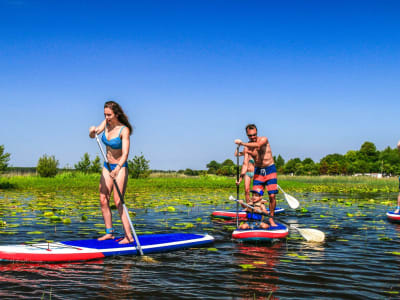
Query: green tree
point(228, 162)
point(333, 164)
point(139, 167)
point(290, 166)
point(190, 172)
point(213, 167)
point(279, 163)
point(299, 169)
point(368, 152)
point(84, 164)
point(95, 166)
point(4, 159)
point(323, 167)
point(47, 166)
point(309, 167)
point(390, 160)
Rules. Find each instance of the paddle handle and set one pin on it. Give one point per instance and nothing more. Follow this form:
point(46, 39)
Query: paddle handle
point(121, 198)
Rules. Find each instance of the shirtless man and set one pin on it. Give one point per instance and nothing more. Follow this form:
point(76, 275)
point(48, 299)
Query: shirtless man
point(265, 171)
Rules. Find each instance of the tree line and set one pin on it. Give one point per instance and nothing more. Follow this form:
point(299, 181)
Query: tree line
point(47, 165)
point(365, 160)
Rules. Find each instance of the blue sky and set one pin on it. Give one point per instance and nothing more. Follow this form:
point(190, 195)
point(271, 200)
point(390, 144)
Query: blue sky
point(317, 77)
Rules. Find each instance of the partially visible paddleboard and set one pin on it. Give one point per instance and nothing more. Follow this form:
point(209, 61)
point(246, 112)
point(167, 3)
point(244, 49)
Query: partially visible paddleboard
point(81, 250)
point(228, 215)
point(261, 235)
point(392, 216)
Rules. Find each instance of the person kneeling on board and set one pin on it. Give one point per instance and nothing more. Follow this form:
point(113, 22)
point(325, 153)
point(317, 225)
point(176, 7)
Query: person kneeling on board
point(255, 216)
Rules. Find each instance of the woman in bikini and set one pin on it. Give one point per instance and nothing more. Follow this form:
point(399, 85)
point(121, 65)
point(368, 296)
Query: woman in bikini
point(116, 132)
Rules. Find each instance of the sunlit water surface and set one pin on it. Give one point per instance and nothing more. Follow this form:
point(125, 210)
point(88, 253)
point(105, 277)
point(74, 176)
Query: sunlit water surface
point(359, 259)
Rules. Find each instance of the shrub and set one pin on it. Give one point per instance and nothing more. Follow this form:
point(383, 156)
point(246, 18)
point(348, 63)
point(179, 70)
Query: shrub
point(139, 167)
point(4, 158)
point(47, 166)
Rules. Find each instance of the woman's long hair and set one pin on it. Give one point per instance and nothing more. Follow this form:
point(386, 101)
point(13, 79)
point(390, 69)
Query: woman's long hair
point(118, 111)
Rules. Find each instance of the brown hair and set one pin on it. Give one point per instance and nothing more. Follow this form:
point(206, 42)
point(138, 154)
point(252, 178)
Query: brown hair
point(251, 126)
point(122, 117)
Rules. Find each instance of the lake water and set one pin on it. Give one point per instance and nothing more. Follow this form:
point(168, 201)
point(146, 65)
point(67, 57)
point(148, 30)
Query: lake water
point(359, 259)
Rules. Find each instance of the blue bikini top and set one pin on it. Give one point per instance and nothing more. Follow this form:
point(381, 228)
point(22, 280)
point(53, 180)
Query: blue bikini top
point(115, 143)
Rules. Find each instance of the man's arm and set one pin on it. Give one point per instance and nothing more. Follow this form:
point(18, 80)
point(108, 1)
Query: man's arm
point(261, 142)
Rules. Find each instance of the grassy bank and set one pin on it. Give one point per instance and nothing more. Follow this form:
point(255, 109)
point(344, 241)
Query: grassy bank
point(90, 182)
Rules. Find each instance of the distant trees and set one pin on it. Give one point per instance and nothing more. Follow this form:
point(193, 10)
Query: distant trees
point(227, 168)
point(87, 166)
point(4, 159)
point(365, 160)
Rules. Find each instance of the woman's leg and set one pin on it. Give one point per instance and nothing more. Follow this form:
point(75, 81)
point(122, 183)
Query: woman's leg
point(247, 182)
point(105, 191)
point(122, 180)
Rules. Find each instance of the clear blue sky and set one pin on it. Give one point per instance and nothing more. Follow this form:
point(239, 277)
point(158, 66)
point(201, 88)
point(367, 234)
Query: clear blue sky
point(317, 77)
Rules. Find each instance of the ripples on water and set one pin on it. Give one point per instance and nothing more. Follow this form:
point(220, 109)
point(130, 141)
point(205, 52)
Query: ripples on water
point(355, 262)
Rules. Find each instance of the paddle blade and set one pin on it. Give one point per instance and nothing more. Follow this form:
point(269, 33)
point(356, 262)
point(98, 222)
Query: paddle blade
point(311, 235)
point(292, 201)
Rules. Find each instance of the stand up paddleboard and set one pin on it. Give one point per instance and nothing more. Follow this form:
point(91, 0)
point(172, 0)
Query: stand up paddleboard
point(81, 250)
point(229, 215)
point(393, 217)
point(261, 235)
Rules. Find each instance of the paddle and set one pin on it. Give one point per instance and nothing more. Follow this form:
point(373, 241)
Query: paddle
point(121, 198)
point(292, 201)
point(237, 186)
point(311, 235)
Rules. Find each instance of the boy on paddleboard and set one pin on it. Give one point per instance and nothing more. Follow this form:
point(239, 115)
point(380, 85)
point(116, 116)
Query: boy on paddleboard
point(265, 171)
point(254, 216)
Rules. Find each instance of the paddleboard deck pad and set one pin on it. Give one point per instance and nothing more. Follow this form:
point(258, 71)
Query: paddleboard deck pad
point(81, 250)
point(229, 215)
point(261, 235)
point(392, 216)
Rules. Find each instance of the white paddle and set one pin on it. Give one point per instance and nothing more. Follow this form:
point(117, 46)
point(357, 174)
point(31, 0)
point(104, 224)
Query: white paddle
point(311, 235)
point(292, 201)
point(122, 199)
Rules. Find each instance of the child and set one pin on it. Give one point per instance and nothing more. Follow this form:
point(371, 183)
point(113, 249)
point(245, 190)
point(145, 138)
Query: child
point(254, 216)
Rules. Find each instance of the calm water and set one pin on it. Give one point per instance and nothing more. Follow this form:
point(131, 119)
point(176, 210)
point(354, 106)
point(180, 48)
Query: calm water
point(357, 261)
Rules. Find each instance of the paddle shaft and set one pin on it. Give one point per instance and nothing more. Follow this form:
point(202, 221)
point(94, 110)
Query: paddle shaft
point(121, 198)
point(237, 186)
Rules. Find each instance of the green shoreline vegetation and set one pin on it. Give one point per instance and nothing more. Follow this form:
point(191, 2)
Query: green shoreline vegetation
point(89, 182)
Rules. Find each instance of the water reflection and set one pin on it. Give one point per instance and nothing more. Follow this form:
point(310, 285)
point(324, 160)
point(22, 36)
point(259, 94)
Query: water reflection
point(258, 277)
point(360, 244)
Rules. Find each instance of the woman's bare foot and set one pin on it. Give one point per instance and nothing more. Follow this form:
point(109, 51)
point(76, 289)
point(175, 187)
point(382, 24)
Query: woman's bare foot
point(272, 222)
point(397, 211)
point(126, 240)
point(107, 236)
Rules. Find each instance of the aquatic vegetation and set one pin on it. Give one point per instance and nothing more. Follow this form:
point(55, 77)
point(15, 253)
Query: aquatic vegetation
point(303, 257)
point(35, 232)
point(247, 266)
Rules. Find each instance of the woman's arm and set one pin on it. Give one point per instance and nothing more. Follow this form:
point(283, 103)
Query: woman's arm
point(244, 167)
point(97, 130)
